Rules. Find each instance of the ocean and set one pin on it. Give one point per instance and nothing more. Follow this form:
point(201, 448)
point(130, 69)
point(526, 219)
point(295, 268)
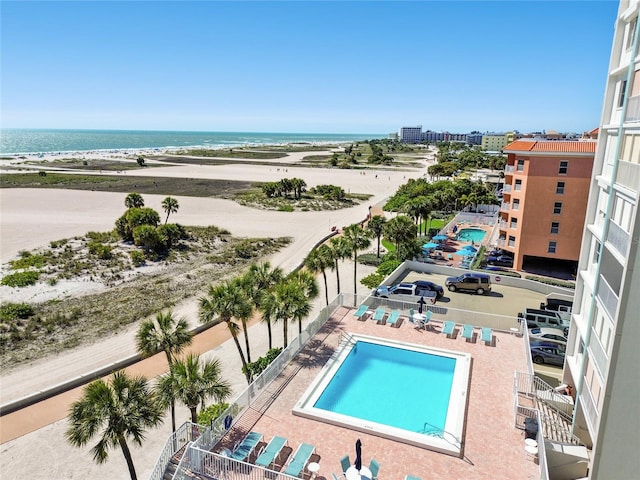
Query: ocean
point(13, 141)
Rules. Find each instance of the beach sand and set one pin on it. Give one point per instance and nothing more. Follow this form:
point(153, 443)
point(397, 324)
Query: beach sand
point(33, 217)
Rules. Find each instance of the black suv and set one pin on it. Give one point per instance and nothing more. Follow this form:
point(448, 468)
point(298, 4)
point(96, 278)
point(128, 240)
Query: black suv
point(479, 283)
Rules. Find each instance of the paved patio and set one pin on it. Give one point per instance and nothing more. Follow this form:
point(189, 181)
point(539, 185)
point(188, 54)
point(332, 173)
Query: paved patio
point(493, 447)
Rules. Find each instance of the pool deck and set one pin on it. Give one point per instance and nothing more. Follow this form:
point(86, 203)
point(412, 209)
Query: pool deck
point(493, 447)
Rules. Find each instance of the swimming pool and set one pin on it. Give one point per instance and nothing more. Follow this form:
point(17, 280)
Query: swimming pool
point(475, 235)
point(410, 393)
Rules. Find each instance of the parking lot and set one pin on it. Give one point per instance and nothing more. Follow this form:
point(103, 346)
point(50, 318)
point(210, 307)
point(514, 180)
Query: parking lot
point(502, 300)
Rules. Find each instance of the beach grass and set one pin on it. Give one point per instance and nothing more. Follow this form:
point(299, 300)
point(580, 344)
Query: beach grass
point(58, 325)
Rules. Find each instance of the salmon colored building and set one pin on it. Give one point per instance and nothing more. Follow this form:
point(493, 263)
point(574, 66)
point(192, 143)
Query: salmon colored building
point(546, 187)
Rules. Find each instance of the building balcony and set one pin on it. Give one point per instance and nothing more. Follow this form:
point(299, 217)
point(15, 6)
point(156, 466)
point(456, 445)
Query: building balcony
point(589, 408)
point(597, 353)
point(618, 238)
point(505, 206)
point(506, 189)
point(607, 297)
point(503, 225)
point(509, 169)
point(633, 109)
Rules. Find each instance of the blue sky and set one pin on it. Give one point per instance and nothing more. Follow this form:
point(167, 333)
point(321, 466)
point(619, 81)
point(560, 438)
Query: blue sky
point(336, 67)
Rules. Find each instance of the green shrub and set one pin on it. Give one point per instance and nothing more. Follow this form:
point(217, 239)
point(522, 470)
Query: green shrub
point(389, 264)
point(370, 259)
point(147, 236)
point(27, 261)
point(133, 218)
point(100, 250)
point(373, 280)
point(21, 279)
point(13, 311)
point(137, 257)
point(257, 367)
point(211, 412)
point(170, 234)
point(551, 281)
point(286, 208)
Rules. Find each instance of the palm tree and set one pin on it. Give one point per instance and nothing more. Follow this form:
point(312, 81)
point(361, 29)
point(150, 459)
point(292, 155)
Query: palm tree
point(340, 250)
point(226, 301)
point(192, 382)
point(169, 205)
point(134, 200)
point(376, 227)
point(400, 230)
point(319, 260)
point(166, 334)
point(357, 239)
point(117, 410)
point(308, 286)
point(259, 279)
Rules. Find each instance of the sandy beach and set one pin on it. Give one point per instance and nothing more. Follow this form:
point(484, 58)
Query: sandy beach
point(33, 217)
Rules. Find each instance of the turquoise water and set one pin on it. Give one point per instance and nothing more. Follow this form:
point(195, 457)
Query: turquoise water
point(391, 386)
point(49, 141)
point(471, 235)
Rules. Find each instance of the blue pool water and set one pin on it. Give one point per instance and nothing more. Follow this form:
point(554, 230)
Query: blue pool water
point(475, 235)
point(392, 386)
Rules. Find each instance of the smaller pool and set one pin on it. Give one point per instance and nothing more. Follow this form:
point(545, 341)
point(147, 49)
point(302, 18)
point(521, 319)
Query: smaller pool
point(475, 235)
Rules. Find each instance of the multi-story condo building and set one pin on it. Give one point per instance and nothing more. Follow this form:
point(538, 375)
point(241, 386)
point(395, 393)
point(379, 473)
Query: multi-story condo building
point(545, 193)
point(603, 350)
point(494, 142)
point(411, 134)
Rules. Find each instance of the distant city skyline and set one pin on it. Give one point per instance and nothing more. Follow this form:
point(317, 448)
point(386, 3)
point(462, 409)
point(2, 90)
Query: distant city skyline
point(330, 67)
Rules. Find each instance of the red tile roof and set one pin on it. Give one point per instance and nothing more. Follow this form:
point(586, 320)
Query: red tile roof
point(551, 147)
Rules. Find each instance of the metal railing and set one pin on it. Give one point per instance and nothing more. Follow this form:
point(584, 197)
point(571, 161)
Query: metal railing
point(633, 109)
point(607, 297)
point(617, 237)
point(178, 439)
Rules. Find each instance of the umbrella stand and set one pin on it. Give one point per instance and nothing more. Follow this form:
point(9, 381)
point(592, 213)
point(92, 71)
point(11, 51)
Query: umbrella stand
point(358, 463)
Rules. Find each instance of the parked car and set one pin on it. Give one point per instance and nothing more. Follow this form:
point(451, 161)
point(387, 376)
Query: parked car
point(501, 260)
point(479, 283)
point(544, 318)
point(544, 334)
point(434, 287)
point(547, 353)
point(496, 252)
point(405, 292)
point(561, 305)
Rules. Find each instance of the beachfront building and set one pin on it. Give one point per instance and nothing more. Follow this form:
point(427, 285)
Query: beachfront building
point(546, 185)
point(411, 134)
point(602, 350)
point(495, 142)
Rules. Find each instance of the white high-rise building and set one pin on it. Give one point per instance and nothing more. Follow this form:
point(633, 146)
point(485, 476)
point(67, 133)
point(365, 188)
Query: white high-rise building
point(603, 351)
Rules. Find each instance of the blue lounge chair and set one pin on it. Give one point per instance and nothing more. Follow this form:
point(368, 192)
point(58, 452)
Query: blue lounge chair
point(269, 454)
point(423, 322)
point(411, 314)
point(299, 460)
point(379, 314)
point(411, 477)
point(487, 335)
point(374, 466)
point(467, 332)
point(393, 317)
point(360, 313)
point(243, 449)
point(448, 328)
point(345, 463)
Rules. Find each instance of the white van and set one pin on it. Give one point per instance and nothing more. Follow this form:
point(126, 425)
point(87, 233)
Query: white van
point(544, 318)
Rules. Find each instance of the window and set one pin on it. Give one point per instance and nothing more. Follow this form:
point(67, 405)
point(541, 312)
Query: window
point(518, 185)
point(555, 227)
point(512, 241)
point(596, 252)
point(516, 204)
point(564, 166)
point(560, 188)
point(631, 34)
point(514, 223)
point(520, 167)
point(623, 91)
point(552, 247)
point(557, 208)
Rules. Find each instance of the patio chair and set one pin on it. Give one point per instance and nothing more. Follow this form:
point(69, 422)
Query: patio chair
point(487, 335)
point(300, 459)
point(393, 318)
point(374, 466)
point(345, 463)
point(411, 314)
point(379, 314)
point(361, 312)
point(338, 477)
point(467, 332)
point(448, 328)
point(271, 452)
point(411, 477)
point(244, 448)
